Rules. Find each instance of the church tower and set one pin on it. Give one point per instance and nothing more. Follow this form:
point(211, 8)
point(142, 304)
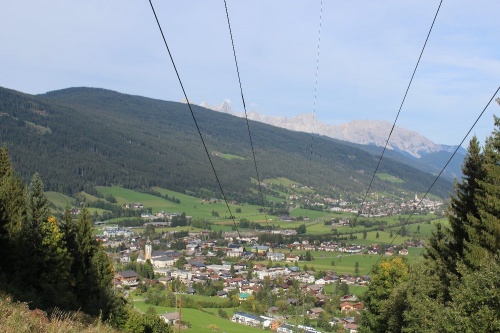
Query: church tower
point(148, 250)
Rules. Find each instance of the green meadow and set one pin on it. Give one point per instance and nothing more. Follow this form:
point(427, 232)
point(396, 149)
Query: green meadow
point(192, 206)
point(345, 263)
point(201, 320)
point(61, 201)
point(390, 178)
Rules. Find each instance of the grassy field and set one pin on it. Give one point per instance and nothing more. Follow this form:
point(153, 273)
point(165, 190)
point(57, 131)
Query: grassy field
point(343, 263)
point(390, 178)
point(200, 320)
point(281, 181)
point(230, 157)
point(192, 206)
point(355, 290)
point(60, 200)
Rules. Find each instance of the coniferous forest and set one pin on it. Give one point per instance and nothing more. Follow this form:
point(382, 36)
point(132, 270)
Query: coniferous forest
point(456, 287)
point(57, 264)
point(78, 138)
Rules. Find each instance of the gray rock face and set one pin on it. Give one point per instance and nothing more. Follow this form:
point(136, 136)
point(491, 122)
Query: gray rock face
point(365, 132)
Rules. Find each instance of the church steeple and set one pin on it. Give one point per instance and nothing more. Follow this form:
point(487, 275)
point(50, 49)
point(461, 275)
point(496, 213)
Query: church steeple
point(148, 250)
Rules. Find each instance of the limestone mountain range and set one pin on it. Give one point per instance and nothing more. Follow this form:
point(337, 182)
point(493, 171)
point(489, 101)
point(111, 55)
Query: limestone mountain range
point(364, 132)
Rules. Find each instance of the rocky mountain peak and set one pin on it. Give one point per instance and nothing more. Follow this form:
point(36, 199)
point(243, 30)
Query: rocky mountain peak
point(365, 132)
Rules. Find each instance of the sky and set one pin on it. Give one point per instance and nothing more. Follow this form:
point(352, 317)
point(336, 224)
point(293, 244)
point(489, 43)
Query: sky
point(368, 51)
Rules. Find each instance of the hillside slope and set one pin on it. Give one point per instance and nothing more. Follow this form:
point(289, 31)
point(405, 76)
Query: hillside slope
point(81, 137)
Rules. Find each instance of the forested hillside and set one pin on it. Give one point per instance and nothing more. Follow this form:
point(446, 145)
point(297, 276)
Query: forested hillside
point(81, 137)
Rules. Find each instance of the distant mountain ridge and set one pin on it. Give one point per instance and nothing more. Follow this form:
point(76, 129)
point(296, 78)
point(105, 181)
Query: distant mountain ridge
point(405, 146)
point(363, 132)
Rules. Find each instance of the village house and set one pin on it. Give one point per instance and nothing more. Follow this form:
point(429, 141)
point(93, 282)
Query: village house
point(171, 318)
point(250, 319)
point(292, 257)
point(314, 312)
point(275, 256)
point(127, 278)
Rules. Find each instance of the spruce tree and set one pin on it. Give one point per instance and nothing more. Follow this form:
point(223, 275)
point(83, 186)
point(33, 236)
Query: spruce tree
point(485, 229)
point(12, 217)
point(82, 247)
point(31, 234)
point(446, 244)
point(92, 270)
point(463, 206)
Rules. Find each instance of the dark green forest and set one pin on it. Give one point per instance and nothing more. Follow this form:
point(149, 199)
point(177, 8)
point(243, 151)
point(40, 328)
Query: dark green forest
point(78, 138)
point(57, 264)
point(456, 287)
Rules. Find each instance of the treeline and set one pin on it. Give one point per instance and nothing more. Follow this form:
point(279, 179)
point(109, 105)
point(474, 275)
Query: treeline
point(455, 288)
point(50, 263)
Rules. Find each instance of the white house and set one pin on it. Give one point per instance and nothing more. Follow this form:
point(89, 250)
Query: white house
point(246, 319)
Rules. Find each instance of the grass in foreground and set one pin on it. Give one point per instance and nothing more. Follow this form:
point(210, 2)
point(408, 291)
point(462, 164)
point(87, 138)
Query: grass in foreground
point(17, 318)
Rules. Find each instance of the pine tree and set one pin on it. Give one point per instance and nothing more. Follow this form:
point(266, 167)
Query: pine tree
point(463, 206)
point(82, 246)
point(446, 246)
point(92, 271)
point(485, 229)
point(38, 204)
point(12, 215)
point(31, 234)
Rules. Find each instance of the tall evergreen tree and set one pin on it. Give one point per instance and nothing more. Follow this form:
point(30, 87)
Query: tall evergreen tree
point(30, 242)
point(446, 246)
point(83, 247)
point(92, 270)
point(462, 205)
point(38, 204)
point(12, 214)
point(485, 229)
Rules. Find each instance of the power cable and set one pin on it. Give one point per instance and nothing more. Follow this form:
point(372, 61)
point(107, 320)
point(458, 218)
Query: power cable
point(399, 111)
point(437, 177)
point(246, 116)
point(315, 89)
point(194, 119)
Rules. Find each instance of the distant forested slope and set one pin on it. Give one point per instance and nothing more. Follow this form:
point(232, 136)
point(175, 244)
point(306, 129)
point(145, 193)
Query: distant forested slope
point(77, 138)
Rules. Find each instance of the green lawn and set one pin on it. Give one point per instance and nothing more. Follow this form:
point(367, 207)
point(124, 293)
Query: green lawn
point(356, 290)
point(200, 320)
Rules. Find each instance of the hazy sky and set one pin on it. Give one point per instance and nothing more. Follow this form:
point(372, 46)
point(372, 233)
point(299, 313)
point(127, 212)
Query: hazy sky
point(368, 51)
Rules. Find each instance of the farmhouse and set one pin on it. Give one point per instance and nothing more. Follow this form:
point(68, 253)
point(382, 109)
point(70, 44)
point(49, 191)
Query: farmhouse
point(127, 278)
point(171, 318)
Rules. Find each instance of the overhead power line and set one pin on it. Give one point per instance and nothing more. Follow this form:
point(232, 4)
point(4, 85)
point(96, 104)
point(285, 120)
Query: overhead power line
point(437, 177)
point(400, 107)
point(315, 89)
point(194, 118)
point(246, 116)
